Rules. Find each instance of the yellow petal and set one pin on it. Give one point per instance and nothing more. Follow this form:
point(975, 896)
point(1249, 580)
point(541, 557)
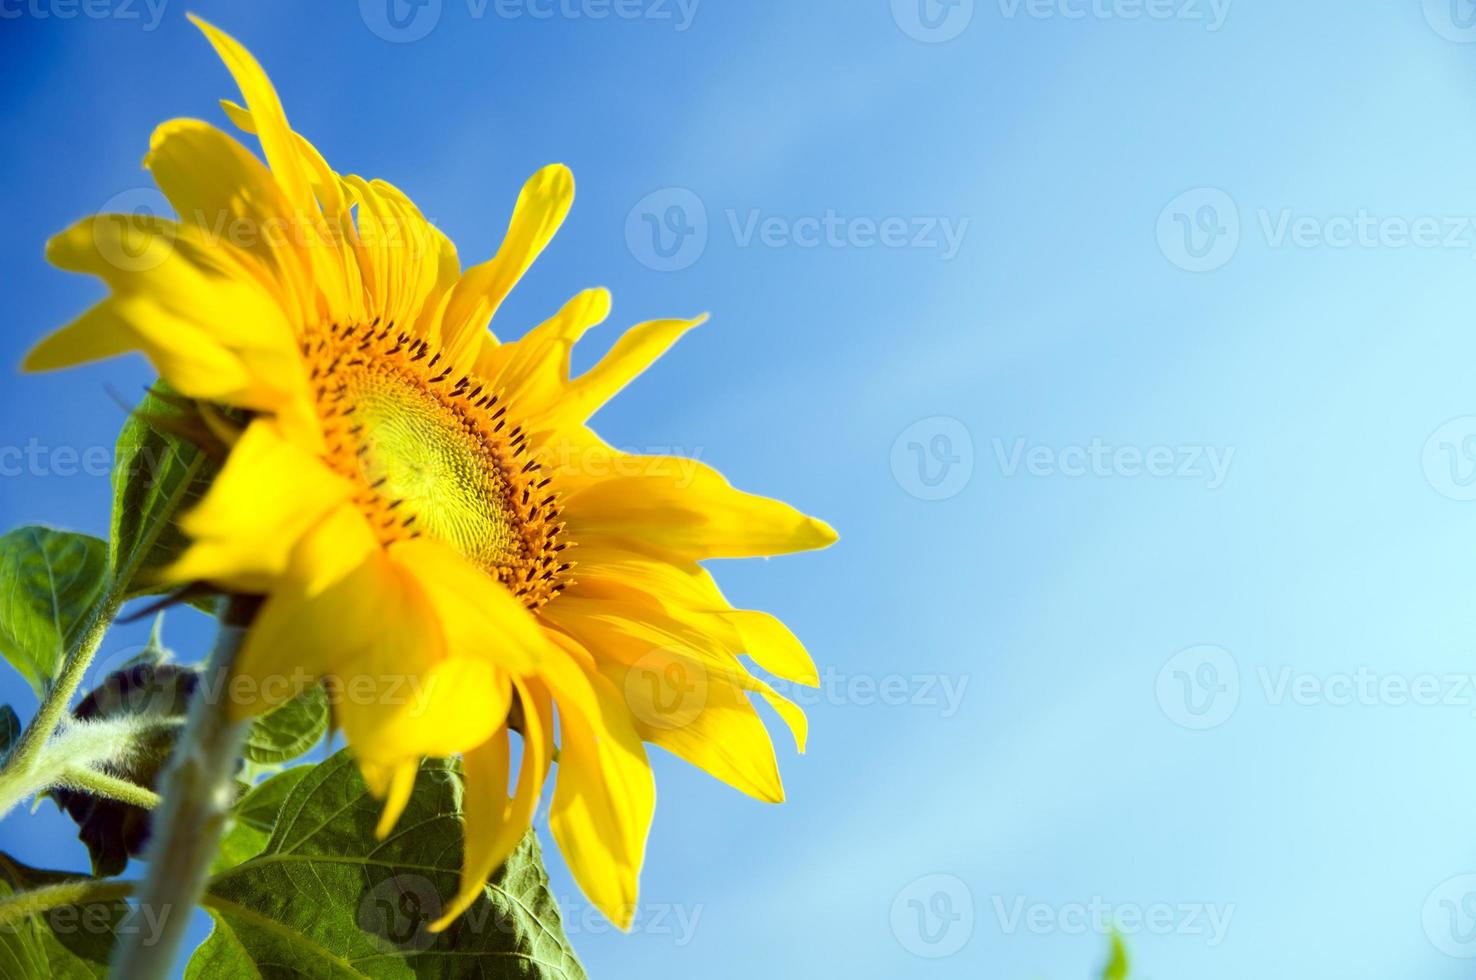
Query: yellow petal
point(603, 802)
point(262, 503)
point(316, 619)
point(774, 647)
point(533, 370)
point(400, 253)
point(494, 823)
point(688, 593)
point(683, 510)
point(97, 334)
point(637, 350)
point(700, 718)
point(266, 110)
point(394, 702)
point(216, 185)
point(194, 307)
point(279, 144)
point(479, 616)
point(541, 207)
point(792, 715)
point(393, 784)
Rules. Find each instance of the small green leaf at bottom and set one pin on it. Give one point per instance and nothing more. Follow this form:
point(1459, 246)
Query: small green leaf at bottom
point(327, 898)
point(69, 942)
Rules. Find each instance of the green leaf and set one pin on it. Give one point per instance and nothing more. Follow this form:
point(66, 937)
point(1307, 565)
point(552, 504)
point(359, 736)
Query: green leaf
point(255, 817)
point(288, 730)
point(1117, 963)
point(51, 581)
point(69, 942)
point(156, 476)
point(329, 899)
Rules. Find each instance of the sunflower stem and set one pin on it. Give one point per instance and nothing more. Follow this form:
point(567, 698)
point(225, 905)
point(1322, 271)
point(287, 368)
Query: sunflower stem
point(109, 787)
point(22, 905)
point(23, 774)
point(197, 790)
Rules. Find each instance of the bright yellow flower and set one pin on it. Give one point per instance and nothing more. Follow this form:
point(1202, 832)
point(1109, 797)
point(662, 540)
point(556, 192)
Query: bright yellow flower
point(421, 502)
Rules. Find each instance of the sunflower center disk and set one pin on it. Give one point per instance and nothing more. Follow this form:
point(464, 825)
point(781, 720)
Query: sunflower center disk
point(418, 452)
point(436, 455)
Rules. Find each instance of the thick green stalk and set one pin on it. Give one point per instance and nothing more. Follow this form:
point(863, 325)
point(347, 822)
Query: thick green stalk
point(198, 788)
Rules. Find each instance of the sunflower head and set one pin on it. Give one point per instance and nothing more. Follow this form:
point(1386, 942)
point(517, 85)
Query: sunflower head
point(435, 529)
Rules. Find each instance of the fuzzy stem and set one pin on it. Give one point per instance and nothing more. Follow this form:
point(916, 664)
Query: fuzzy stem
point(18, 777)
point(21, 905)
point(197, 789)
point(101, 784)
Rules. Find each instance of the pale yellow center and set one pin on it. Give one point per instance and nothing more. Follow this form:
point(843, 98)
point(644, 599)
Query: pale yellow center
point(419, 452)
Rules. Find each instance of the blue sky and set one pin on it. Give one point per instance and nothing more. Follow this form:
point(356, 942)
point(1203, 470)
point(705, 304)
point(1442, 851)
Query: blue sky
point(1128, 344)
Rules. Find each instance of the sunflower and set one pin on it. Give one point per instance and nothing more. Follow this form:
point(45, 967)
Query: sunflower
point(420, 502)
